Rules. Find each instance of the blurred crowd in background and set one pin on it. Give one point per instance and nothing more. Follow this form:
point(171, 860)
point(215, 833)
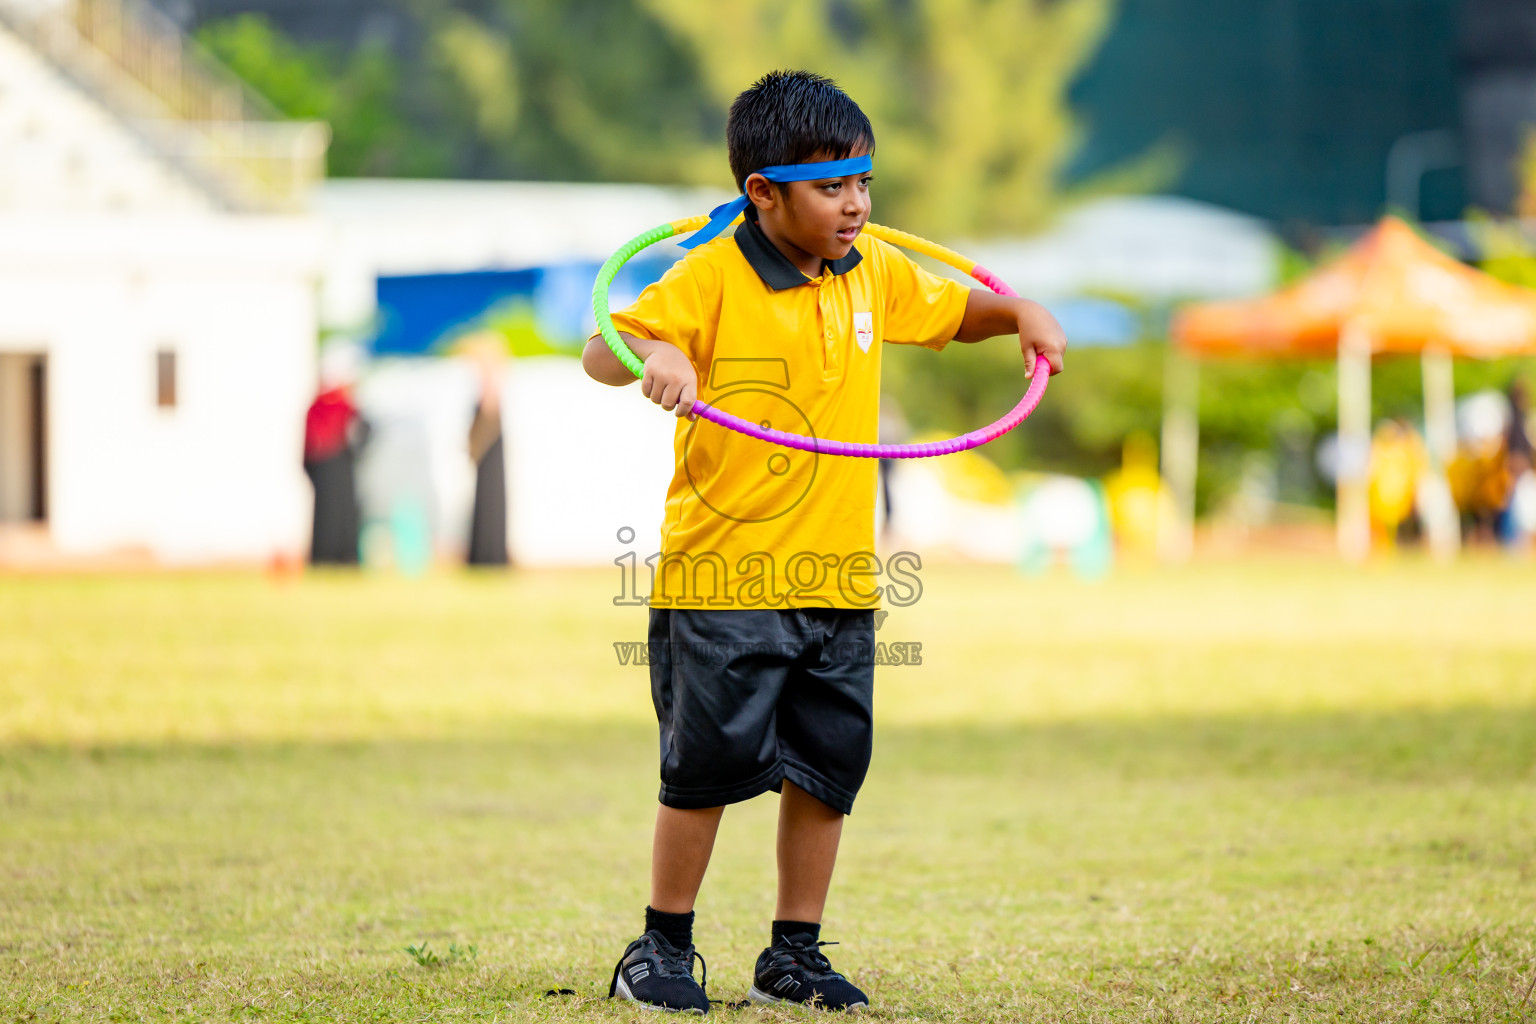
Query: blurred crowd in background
point(254, 251)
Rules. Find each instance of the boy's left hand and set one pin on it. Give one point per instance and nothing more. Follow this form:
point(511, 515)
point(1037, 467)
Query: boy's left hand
point(1041, 335)
point(989, 316)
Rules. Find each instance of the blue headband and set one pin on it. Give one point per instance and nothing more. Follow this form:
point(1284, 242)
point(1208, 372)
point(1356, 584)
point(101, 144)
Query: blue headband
point(721, 216)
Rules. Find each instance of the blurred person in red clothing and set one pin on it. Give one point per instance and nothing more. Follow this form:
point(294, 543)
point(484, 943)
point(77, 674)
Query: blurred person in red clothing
point(487, 352)
point(334, 432)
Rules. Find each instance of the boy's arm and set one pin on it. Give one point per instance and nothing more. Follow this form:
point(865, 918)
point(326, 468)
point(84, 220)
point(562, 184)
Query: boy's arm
point(669, 381)
point(988, 315)
point(604, 367)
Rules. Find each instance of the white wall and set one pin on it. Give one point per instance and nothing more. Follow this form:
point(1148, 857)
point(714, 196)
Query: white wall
point(583, 459)
point(219, 476)
point(434, 227)
point(586, 459)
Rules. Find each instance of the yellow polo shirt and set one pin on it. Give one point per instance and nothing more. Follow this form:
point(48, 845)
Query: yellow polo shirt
point(750, 524)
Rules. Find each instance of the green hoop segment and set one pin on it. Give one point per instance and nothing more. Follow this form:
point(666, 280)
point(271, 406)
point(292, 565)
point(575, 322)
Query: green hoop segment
point(605, 278)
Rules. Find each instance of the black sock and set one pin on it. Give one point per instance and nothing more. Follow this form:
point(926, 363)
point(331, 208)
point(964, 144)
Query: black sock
point(675, 928)
point(783, 928)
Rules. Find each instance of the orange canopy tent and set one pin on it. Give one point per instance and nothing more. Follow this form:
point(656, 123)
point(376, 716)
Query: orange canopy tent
point(1403, 293)
point(1392, 292)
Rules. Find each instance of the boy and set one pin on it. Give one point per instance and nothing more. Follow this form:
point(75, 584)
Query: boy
point(761, 623)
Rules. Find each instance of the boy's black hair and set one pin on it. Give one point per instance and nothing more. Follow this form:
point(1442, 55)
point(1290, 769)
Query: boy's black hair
point(787, 117)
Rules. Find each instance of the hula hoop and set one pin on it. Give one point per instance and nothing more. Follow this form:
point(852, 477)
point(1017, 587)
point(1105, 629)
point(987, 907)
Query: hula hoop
point(975, 439)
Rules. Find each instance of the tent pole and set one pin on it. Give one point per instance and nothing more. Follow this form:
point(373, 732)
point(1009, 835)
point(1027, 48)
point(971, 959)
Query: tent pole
point(1354, 452)
point(1180, 452)
point(1437, 508)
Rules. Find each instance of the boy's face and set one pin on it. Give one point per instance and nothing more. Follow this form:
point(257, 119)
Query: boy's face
point(821, 217)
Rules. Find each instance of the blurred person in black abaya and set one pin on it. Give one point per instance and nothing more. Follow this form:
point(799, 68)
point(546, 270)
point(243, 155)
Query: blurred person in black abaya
point(1514, 519)
point(488, 522)
point(1517, 443)
point(334, 433)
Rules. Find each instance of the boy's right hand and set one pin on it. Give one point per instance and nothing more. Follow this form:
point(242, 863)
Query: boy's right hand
point(669, 380)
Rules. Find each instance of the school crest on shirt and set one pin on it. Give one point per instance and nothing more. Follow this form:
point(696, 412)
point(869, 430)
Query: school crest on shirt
point(864, 330)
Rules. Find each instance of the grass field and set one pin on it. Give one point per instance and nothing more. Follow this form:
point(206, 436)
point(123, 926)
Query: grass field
point(1270, 791)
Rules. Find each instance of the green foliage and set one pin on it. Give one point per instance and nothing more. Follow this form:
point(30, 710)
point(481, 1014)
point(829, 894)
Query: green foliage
point(480, 63)
point(583, 91)
point(1507, 251)
point(375, 132)
point(358, 93)
point(968, 97)
point(1293, 265)
point(294, 79)
point(610, 95)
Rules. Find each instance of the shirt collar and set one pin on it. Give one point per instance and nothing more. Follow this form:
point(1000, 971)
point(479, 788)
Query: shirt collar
point(773, 266)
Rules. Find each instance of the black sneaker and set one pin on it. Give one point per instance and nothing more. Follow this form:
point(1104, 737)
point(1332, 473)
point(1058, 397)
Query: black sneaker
point(659, 976)
point(793, 970)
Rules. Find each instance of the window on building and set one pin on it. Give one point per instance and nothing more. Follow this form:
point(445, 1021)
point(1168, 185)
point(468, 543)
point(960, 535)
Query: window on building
point(165, 378)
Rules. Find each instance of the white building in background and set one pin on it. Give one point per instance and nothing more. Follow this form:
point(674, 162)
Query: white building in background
point(157, 299)
point(155, 375)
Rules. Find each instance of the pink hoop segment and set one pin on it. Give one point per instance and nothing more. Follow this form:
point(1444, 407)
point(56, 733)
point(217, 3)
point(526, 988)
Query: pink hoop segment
point(822, 446)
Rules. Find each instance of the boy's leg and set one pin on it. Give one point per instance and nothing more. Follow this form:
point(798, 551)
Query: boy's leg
point(715, 694)
point(825, 718)
point(793, 968)
point(718, 746)
point(825, 723)
point(680, 854)
point(656, 969)
point(809, 832)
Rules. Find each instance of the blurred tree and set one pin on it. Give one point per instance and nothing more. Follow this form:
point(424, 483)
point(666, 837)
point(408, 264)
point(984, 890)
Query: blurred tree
point(574, 90)
point(479, 63)
point(610, 95)
point(294, 79)
point(375, 129)
point(358, 93)
point(968, 97)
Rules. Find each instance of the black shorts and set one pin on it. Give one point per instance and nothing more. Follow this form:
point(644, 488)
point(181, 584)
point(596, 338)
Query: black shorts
point(747, 698)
